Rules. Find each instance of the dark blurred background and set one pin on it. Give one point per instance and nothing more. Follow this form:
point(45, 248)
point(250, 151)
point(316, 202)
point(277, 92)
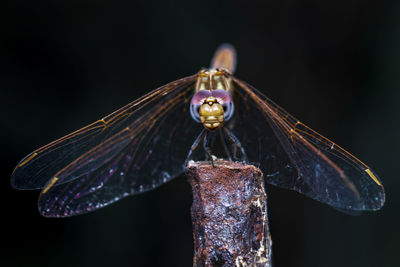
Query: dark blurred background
point(333, 64)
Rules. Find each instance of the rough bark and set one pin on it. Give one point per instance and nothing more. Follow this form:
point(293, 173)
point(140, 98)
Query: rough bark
point(229, 215)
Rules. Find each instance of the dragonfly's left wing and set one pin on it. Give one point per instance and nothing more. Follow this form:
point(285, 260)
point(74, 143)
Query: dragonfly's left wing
point(296, 157)
point(141, 147)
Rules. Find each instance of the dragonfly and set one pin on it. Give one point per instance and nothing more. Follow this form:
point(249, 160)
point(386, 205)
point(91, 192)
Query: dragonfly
point(149, 142)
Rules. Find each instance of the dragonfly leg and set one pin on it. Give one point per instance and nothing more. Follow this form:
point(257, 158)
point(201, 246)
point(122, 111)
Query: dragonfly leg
point(194, 145)
point(235, 145)
point(207, 148)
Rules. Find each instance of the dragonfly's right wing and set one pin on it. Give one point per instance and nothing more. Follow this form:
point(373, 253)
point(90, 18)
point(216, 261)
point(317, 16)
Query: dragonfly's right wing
point(296, 157)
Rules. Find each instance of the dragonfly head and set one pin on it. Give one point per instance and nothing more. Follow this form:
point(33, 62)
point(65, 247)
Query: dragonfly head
point(211, 108)
point(211, 113)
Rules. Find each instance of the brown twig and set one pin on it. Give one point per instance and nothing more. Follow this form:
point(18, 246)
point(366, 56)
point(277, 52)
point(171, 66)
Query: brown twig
point(229, 215)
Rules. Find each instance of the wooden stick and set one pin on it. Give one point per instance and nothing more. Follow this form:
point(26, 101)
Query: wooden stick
point(229, 215)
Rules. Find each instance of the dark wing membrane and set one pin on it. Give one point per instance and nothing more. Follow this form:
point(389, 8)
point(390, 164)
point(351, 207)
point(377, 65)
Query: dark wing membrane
point(149, 151)
point(293, 156)
point(36, 169)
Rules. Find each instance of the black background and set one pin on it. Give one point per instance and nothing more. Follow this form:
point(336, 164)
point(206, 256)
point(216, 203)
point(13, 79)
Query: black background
point(333, 64)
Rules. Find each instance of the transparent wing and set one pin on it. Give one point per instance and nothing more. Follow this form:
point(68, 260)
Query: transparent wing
point(293, 156)
point(134, 149)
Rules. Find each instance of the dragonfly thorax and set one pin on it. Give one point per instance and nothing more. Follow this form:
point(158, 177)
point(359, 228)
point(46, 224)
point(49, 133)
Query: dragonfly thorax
point(213, 79)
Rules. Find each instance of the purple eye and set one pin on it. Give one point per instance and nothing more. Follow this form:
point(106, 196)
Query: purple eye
point(199, 97)
point(196, 102)
point(224, 98)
